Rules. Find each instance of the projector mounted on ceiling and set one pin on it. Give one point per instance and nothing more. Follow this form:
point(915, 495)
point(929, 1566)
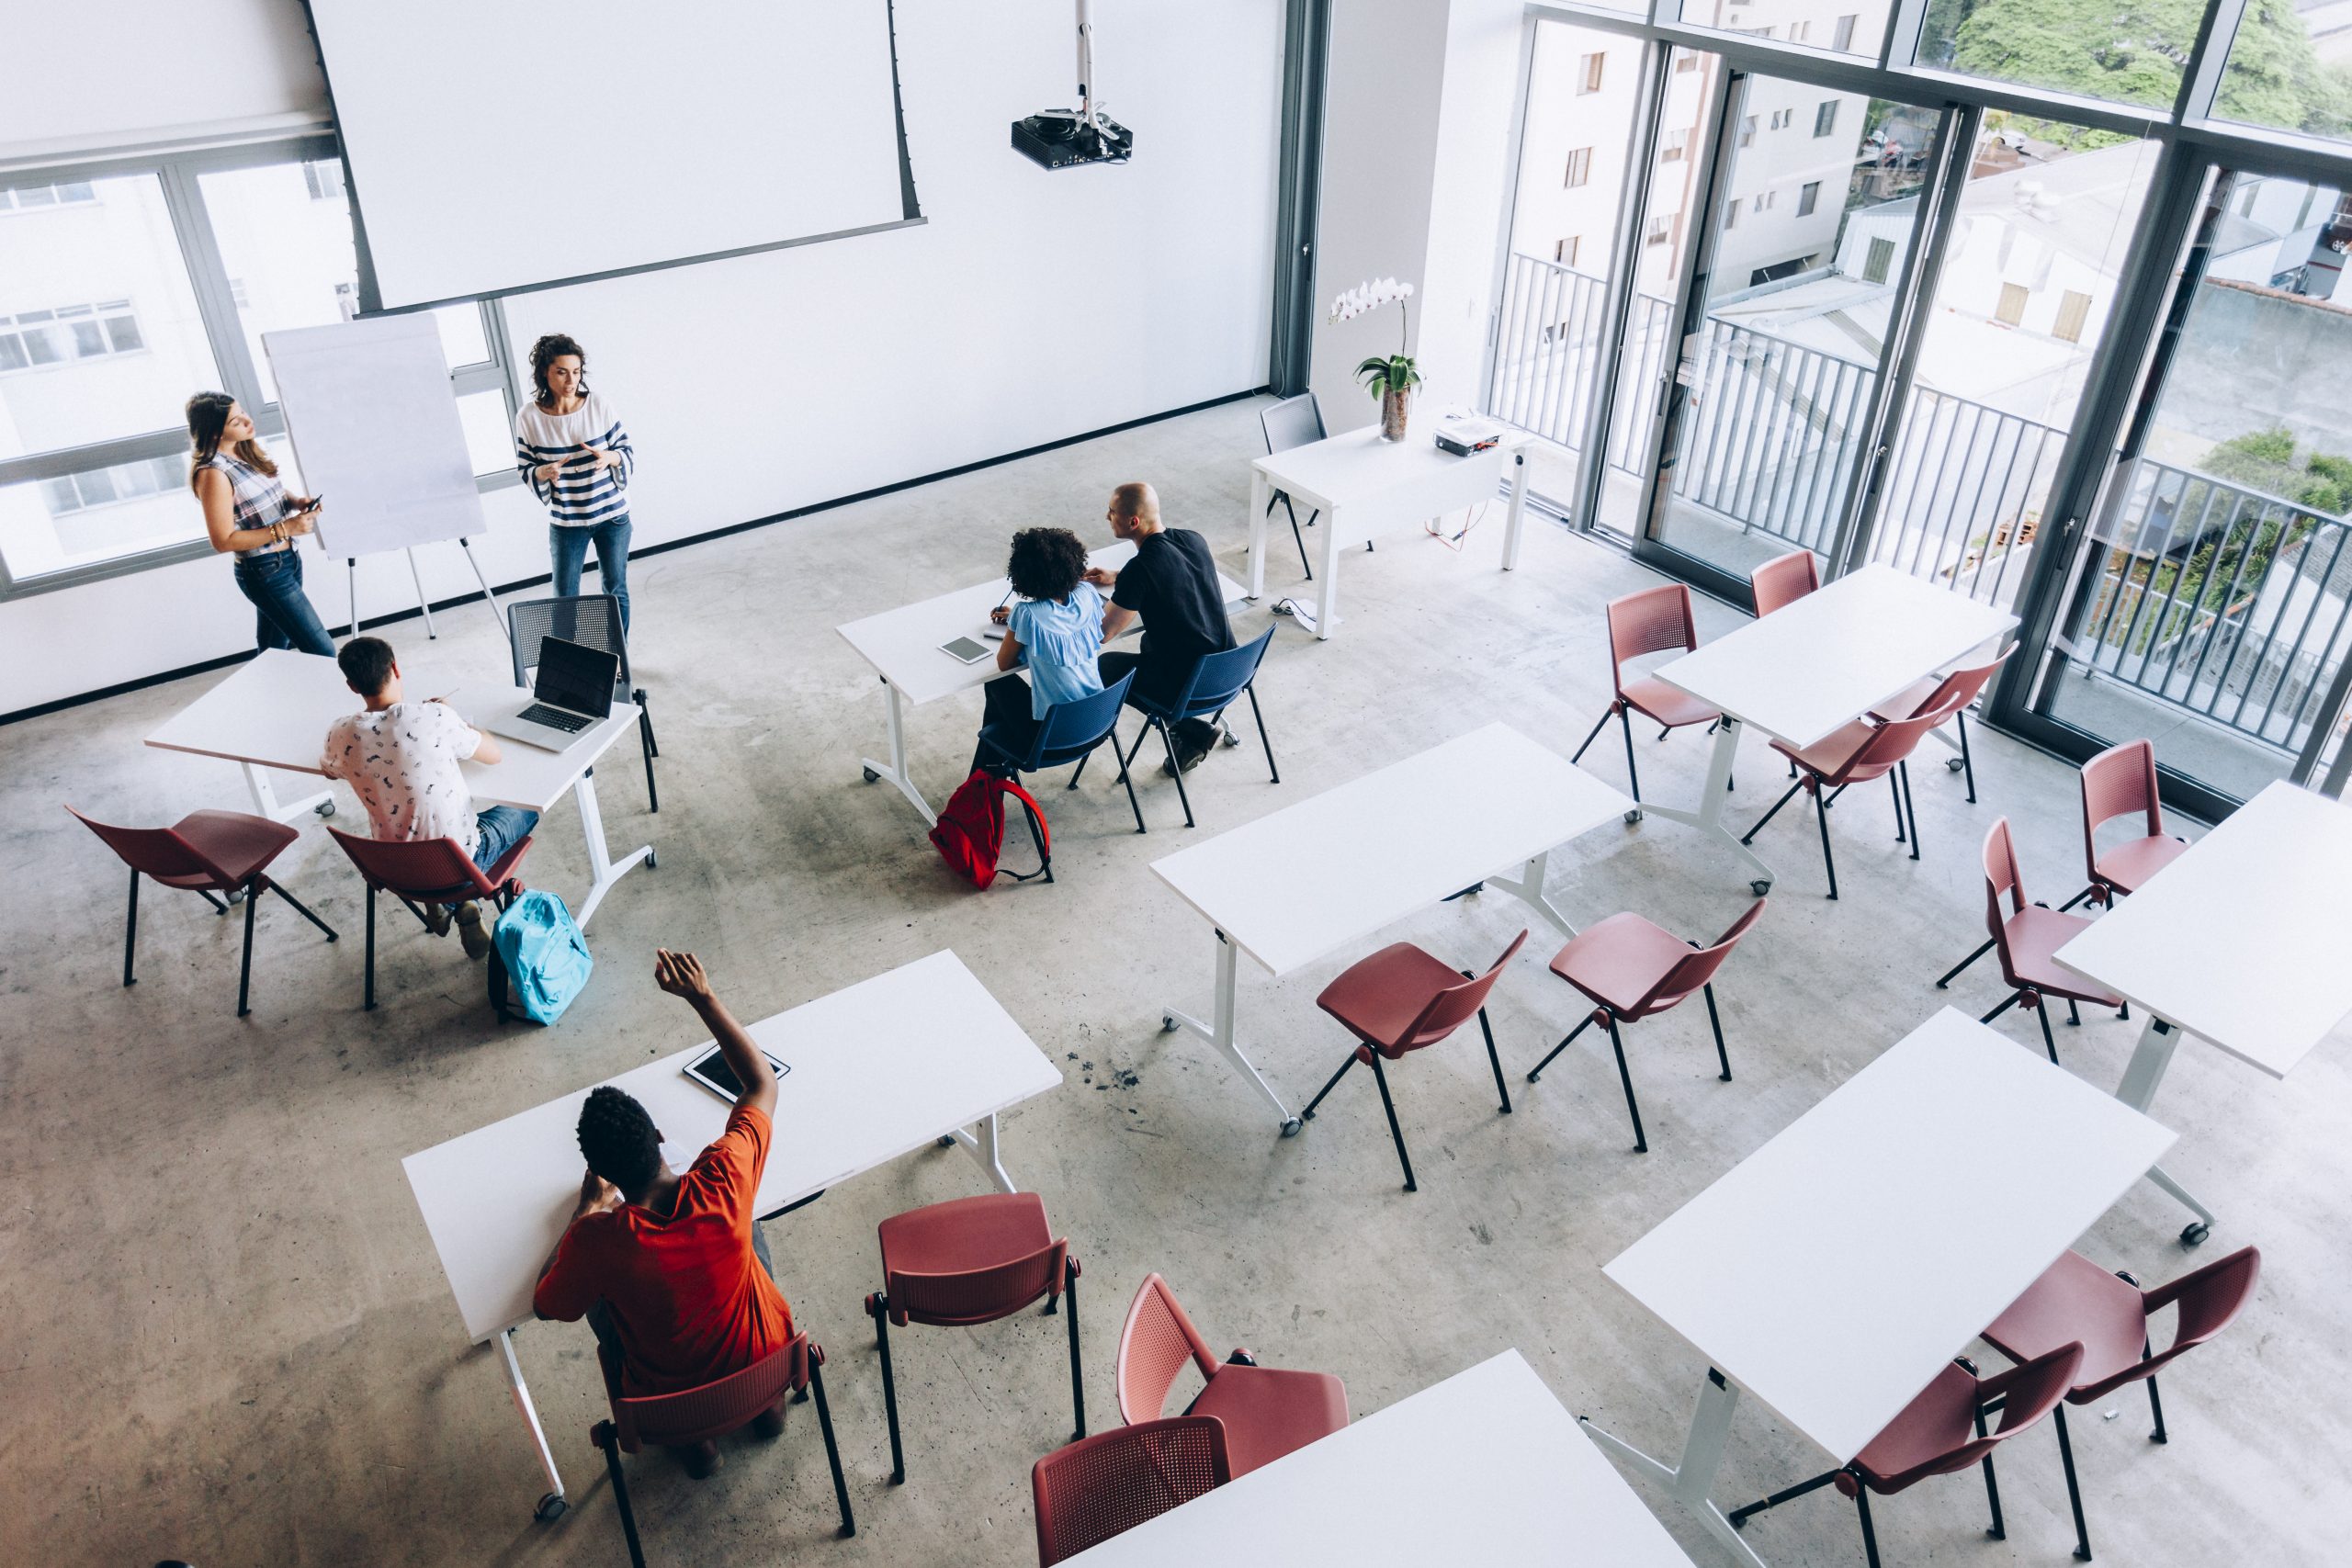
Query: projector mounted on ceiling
point(1059, 139)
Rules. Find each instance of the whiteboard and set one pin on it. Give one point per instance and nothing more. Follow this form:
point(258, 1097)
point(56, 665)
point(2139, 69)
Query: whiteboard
point(375, 430)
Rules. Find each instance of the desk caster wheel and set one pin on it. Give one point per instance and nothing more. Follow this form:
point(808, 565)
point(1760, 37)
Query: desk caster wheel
point(1953, 765)
point(652, 864)
point(871, 776)
point(1633, 815)
point(551, 1508)
point(326, 809)
point(235, 895)
point(1759, 886)
point(1167, 1024)
point(2193, 1234)
point(946, 1142)
point(1291, 1127)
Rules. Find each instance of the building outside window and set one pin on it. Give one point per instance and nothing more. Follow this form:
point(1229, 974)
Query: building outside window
point(1591, 73)
point(1579, 167)
point(1825, 119)
point(1807, 197)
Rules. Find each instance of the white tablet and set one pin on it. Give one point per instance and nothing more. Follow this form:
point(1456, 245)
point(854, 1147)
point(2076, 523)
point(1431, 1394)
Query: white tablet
point(966, 649)
point(711, 1071)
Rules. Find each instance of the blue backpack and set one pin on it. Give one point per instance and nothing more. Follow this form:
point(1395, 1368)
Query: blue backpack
point(545, 955)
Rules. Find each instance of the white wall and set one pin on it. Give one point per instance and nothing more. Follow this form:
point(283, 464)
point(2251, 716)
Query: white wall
point(1032, 306)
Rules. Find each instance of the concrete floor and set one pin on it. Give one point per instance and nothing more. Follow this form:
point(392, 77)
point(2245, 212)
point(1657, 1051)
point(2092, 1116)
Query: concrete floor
point(228, 1338)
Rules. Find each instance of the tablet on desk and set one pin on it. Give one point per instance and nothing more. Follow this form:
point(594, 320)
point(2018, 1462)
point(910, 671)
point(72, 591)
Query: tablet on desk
point(966, 649)
point(711, 1071)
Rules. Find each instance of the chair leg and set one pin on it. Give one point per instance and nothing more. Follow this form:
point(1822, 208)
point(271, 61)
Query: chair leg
point(218, 906)
point(1300, 537)
point(1910, 807)
point(1992, 1487)
point(1256, 714)
point(833, 1448)
point(300, 907)
point(1633, 773)
point(609, 1440)
point(1127, 780)
point(2012, 1000)
point(1077, 1382)
point(1828, 860)
point(1869, 1536)
point(1168, 738)
point(1037, 837)
point(1952, 973)
point(1617, 1042)
point(1079, 771)
point(245, 963)
point(2073, 1490)
point(369, 1004)
point(1537, 1071)
point(878, 1305)
point(2156, 1408)
point(645, 744)
point(2049, 1041)
point(1329, 1084)
point(1494, 1061)
point(1749, 837)
point(1589, 739)
point(1894, 787)
point(1381, 1077)
point(130, 934)
point(2074, 1013)
point(1739, 1516)
point(1130, 755)
point(1967, 762)
point(1723, 1057)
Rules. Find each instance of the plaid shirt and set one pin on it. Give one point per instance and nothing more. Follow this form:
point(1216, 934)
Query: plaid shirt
point(255, 500)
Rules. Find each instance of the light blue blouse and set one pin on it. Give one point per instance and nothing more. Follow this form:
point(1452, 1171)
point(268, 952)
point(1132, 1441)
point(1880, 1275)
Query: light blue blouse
point(1059, 642)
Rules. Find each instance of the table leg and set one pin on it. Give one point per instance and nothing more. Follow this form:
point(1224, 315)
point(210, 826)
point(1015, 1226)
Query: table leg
point(1702, 1454)
point(1326, 582)
point(1517, 515)
point(1261, 494)
point(1709, 817)
point(984, 1149)
point(1221, 1034)
point(1529, 887)
point(2150, 1060)
point(267, 803)
point(895, 770)
point(606, 871)
point(553, 1504)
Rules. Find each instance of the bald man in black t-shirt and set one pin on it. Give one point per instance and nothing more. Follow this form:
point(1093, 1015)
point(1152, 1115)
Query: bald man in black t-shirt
point(1172, 583)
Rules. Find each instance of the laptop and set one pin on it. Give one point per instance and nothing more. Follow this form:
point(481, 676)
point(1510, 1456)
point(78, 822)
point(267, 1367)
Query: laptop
point(573, 693)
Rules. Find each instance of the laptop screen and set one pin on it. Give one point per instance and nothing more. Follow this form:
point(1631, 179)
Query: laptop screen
point(576, 677)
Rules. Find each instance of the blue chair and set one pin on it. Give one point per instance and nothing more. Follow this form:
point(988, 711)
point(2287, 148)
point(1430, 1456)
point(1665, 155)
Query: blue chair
point(1069, 733)
point(1217, 680)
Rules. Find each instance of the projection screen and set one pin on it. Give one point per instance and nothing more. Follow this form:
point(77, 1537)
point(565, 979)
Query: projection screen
point(493, 146)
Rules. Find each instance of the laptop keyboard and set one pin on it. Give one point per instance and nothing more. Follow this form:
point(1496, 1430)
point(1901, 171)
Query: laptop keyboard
point(555, 718)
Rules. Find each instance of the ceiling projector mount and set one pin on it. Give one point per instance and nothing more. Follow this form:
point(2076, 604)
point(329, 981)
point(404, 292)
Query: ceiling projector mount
point(1061, 139)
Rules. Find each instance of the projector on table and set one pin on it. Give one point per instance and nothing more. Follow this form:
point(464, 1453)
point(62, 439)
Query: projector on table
point(1060, 138)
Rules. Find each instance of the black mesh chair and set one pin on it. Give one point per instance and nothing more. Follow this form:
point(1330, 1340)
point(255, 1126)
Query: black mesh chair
point(1294, 422)
point(592, 620)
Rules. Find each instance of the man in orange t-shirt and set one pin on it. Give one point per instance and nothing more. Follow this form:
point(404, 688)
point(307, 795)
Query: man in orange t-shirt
point(669, 1266)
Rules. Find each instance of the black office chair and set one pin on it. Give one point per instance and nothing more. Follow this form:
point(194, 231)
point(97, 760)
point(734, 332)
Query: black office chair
point(1218, 680)
point(1069, 733)
point(1294, 422)
point(592, 620)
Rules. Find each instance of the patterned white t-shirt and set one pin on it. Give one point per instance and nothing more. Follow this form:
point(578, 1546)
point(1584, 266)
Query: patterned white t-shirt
point(402, 762)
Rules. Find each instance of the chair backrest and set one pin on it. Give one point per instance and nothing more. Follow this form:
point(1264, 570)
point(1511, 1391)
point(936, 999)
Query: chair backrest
point(2002, 880)
point(1453, 1007)
point(156, 851)
point(2026, 1392)
point(1110, 1483)
point(1959, 689)
point(714, 1409)
point(1070, 727)
point(2119, 782)
point(1218, 678)
point(1782, 580)
point(428, 869)
point(1697, 969)
point(1153, 1347)
point(592, 620)
point(1894, 741)
point(2208, 1299)
point(1294, 422)
point(1651, 621)
point(978, 1295)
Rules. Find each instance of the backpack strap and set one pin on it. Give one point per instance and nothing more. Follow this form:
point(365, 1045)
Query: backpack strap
point(1005, 786)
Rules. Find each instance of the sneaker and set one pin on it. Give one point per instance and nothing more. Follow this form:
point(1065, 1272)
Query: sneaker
point(471, 931)
point(1188, 756)
point(436, 918)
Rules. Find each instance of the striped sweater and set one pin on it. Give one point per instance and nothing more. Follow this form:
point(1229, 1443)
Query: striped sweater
point(580, 496)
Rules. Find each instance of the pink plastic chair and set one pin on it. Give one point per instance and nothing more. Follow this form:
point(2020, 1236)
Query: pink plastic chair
point(1856, 754)
point(432, 871)
point(2026, 936)
point(1936, 692)
point(967, 1261)
point(1782, 580)
point(715, 1409)
point(2108, 1314)
point(2122, 781)
point(207, 853)
point(1655, 620)
point(1401, 999)
point(1267, 1411)
point(1634, 969)
point(1110, 1483)
point(1943, 1431)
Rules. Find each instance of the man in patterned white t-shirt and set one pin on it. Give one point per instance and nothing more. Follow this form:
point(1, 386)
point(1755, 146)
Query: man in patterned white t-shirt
point(400, 759)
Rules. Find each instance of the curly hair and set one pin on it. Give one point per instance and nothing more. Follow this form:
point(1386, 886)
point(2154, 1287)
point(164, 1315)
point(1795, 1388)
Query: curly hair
point(618, 1139)
point(1046, 563)
point(546, 352)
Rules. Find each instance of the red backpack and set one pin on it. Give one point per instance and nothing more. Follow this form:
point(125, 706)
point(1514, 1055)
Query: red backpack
point(970, 834)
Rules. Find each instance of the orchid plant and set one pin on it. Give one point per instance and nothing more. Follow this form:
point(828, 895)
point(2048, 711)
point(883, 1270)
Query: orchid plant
point(1382, 373)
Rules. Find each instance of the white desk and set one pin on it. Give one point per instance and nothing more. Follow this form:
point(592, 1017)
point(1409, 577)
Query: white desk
point(1801, 674)
point(273, 713)
point(1366, 487)
point(2244, 941)
point(904, 645)
point(1834, 1271)
point(884, 1067)
point(1311, 877)
point(1485, 1467)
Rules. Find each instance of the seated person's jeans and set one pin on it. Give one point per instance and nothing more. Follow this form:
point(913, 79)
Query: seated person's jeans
point(502, 827)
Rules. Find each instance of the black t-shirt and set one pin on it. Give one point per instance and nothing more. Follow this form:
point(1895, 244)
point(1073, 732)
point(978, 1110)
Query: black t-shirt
point(1172, 583)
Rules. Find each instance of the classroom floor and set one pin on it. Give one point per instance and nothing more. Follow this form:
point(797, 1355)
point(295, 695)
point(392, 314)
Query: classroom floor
point(227, 1338)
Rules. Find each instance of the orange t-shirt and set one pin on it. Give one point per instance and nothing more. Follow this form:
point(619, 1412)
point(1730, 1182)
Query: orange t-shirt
point(687, 1296)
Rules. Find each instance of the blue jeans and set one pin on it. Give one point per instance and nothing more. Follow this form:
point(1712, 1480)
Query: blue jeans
point(283, 616)
point(568, 549)
point(502, 827)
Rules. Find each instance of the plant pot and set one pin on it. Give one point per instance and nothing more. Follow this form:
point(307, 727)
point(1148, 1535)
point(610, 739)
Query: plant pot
point(1395, 408)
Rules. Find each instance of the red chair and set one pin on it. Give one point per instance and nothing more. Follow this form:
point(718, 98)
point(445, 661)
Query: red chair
point(2122, 781)
point(1110, 1483)
point(1936, 692)
point(432, 871)
point(1402, 999)
point(205, 852)
point(967, 1261)
point(1942, 1431)
point(1633, 970)
point(2108, 1314)
point(1267, 1411)
point(699, 1415)
point(2026, 937)
point(1856, 754)
point(1782, 580)
point(1653, 621)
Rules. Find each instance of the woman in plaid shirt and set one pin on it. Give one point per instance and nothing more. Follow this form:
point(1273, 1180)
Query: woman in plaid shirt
point(248, 513)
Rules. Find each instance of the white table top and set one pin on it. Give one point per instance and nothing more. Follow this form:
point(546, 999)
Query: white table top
point(881, 1068)
point(903, 643)
point(2245, 940)
point(1800, 672)
point(1293, 884)
point(1357, 465)
point(1837, 1269)
point(1484, 1468)
point(275, 711)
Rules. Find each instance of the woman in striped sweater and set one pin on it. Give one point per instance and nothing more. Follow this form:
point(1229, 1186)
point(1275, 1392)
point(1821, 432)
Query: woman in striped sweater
point(574, 453)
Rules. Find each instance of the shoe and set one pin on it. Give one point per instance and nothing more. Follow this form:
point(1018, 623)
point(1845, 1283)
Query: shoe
point(702, 1460)
point(436, 918)
point(471, 931)
point(769, 1423)
point(1188, 756)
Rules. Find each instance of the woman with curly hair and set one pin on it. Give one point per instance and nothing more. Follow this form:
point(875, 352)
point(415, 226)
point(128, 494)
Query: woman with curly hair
point(575, 455)
point(1055, 631)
